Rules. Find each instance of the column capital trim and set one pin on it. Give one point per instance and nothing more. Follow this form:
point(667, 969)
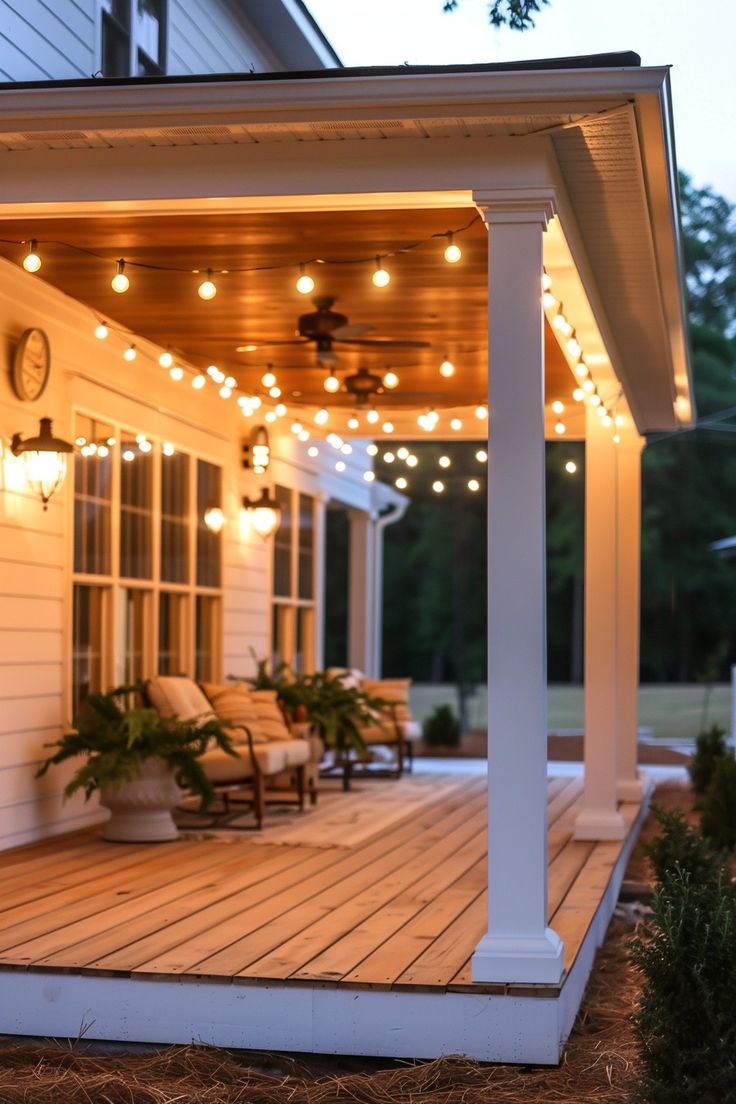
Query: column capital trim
point(522, 205)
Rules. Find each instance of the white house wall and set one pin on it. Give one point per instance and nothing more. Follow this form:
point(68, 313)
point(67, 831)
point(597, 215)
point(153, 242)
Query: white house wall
point(36, 546)
point(44, 41)
point(209, 36)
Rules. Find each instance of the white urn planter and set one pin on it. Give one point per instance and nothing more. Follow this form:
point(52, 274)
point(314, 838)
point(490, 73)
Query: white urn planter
point(140, 810)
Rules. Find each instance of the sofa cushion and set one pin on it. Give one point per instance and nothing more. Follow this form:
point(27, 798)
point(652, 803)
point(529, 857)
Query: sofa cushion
point(395, 691)
point(350, 677)
point(177, 695)
point(221, 767)
point(296, 752)
point(232, 703)
point(270, 718)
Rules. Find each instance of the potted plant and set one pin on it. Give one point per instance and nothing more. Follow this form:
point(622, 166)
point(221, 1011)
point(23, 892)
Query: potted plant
point(138, 760)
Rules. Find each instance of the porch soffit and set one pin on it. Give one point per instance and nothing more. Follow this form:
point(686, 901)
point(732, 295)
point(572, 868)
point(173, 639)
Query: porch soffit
point(577, 113)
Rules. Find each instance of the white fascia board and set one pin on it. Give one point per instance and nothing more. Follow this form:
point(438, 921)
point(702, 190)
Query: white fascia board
point(441, 95)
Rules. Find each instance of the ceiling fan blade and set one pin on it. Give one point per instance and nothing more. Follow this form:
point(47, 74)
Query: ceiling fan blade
point(344, 333)
point(385, 343)
point(251, 346)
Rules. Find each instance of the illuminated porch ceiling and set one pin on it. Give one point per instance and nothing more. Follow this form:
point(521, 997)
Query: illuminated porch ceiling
point(427, 300)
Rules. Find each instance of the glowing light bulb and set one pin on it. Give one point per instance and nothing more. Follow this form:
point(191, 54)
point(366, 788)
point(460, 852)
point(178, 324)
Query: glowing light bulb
point(546, 280)
point(346, 449)
point(558, 407)
point(176, 373)
point(453, 252)
point(305, 283)
point(606, 420)
point(619, 419)
point(444, 461)
point(256, 402)
point(402, 483)
point(207, 289)
point(578, 394)
point(601, 411)
point(130, 353)
point(388, 458)
point(166, 359)
point(331, 383)
point(402, 452)
point(390, 380)
point(411, 461)
point(595, 400)
point(110, 441)
point(321, 417)
point(128, 455)
point(168, 449)
point(269, 416)
point(340, 466)
point(145, 446)
point(198, 382)
point(481, 456)
point(588, 386)
point(101, 331)
point(312, 451)
point(280, 410)
point(120, 281)
point(353, 422)
point(268, 379)
point(548, 300)
point(230, 381)
point(225, 392)
point(456, 424)
point(372, 450)
point(388, 427)
point(573, 346)
point(103, 451)
point(560, 428)
point(32, 261)
point(438, 486)
point(369, 476)
point(481, 412)
point(581, 369)
point(304, 435)
point(571, 467)
point(381, 278)
point(473, 485)
point(447, 368)
point(296, 427)
point(616, 439)
point(372, 416)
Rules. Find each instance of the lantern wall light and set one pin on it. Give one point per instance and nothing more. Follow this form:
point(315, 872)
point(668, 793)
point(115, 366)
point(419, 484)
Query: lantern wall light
point(264, 514)
point(45, 460)
point(257, 451)
point(214, 519)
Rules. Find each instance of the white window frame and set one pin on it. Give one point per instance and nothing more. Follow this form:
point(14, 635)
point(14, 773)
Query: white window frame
point(287, 607)
point(133, 51)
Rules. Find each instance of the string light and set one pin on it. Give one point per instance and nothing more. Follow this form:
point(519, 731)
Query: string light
point(546, 280)
point(390, 380)
point(32, 262)
point(581, 369)
point(381, 278)
point(402, 453)
point(411, 461)
point(167, 448)
point(453, 252)
point(573, 346)
point(560, 428)
point(313, 451)
point(120, 281)
point(456, 424)
point(353, 422)
point(606, 420)
point(340, 466)
point(560, 322)
point(275, 392)
point(269, 416)
point(481, 456)
point(372, 416)
point(130, 353)
point(198, 382)
point(473, 485)
point(145, 446)
point(225, 392)
point(600, 409)
point(444, 461)
point(388, 458)
point(321, 417)
point(588, 386)
point(331, 383)
point(388, 427)
point(438, 486)
point(268, 379)
point(346, 449)
point(372, 450)
point(305, 283)
point(558, 407)
point(166, 359)
point(571, 467)
point(595, 400)
point(296, 427)
point(481, 412)
point(207, 289)
point(128, 455)
point(176, 373)
point(280, 410)
point(101, 331)
point(447, 368)
point(369, 476)
point(402, 483)
point(548, 300)
point(231, 382)
point(304, 436)
point(616, 439)
point(578, 394)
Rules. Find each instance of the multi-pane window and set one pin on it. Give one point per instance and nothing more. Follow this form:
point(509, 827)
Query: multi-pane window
point(147, 571)
point(133, 38)
point(293, 620)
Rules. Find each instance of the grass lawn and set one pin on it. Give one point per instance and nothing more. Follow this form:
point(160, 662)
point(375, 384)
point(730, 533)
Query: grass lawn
point(672, 711)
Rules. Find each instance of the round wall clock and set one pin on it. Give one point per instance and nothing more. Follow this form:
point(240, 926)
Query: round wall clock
point(31, 365)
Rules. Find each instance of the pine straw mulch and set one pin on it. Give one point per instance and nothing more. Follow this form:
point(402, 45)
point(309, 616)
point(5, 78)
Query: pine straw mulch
point(599, 1064)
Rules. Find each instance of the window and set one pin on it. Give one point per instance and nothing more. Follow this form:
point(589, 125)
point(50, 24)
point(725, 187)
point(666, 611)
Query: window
point(147, 572)
point(133, 38)
point(293, 618)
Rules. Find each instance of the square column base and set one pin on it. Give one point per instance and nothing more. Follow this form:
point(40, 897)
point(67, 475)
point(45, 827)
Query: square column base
point(599, 826)
point(536, 960)
point(631, 789)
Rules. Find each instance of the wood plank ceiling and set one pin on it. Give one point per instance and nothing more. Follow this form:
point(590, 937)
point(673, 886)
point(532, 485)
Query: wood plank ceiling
point(426, 300)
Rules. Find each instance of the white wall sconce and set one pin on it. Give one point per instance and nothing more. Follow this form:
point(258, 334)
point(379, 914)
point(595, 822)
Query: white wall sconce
point(264, 514)
point(45, 460)
point(257, 451)
point(214, 519)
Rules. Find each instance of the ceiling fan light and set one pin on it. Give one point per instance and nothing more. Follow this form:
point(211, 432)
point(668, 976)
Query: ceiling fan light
point(381, 278)
point(331, 383)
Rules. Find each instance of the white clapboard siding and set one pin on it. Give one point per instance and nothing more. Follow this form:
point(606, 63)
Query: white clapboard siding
point(24, 679)
point(30, 713)
point(210, 36)
point(46, 40)
point(26, 750)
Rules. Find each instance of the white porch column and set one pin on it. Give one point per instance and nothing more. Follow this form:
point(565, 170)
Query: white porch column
point(362, 592)
point(518, 947)
point(599, 817)
point(320, 551)
point(628, 506)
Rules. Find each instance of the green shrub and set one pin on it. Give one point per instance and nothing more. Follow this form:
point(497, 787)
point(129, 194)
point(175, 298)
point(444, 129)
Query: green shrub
point(441, 728)
point(719, 805)
point(685, 1025)
point(710, 748)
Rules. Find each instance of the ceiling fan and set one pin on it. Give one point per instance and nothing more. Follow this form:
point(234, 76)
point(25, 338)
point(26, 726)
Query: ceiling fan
point(324, 327)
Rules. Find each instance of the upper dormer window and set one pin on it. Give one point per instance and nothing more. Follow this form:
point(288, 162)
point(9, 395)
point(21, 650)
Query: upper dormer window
point(133, 38)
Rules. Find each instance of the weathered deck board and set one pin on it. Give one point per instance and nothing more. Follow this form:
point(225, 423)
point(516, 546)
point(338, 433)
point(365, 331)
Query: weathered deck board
point(404, 908)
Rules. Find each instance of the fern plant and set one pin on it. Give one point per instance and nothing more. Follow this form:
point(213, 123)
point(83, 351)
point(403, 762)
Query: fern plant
point(441, 728)
point(116, 737)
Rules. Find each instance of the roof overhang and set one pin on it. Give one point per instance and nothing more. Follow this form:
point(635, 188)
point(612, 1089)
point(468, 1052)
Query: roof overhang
point(602, 137)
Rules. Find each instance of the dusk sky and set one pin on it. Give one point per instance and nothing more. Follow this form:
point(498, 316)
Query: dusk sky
point(696, 40)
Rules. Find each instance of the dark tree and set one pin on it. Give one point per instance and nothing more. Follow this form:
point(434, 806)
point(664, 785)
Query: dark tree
point(709, 229)
point(516, 14)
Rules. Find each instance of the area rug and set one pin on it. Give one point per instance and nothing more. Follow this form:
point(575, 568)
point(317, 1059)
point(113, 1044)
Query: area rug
point(339, 820)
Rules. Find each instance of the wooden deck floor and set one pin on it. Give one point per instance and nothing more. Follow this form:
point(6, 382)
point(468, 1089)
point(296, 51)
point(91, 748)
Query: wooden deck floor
point(402, 910)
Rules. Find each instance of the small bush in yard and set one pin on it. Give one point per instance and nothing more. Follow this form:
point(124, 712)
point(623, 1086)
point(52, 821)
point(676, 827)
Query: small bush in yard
point(686, 1026)
point(710, 749)
point(441, 728)
point(719, 806)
